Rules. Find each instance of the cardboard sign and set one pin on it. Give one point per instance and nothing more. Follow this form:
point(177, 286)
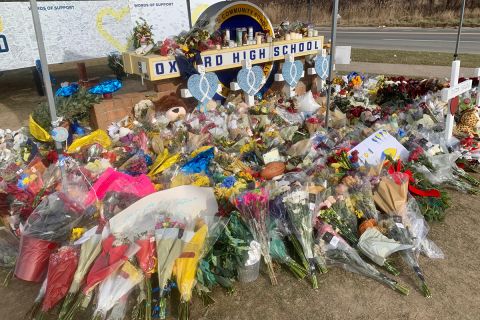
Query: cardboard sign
point(375, 149)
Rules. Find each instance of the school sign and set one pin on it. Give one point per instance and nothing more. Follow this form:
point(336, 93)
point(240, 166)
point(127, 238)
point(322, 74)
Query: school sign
point(154, 67)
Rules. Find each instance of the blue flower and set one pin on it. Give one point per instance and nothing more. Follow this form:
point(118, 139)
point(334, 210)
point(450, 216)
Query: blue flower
point(229, 182)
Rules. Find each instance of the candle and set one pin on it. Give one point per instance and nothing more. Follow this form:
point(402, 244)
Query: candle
point(310, 33)
point(227, 35)
point(315, 33)
point(293, 35)
point(231, 43)
point(259, 39)
point(269, 39)
point(239, 36)
point(250, 33)
point(288, 37)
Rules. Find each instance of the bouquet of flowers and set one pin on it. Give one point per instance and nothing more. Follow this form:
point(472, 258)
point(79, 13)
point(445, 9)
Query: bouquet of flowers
point(89, 251)
point(253, 207)
point(278, 251)
point(391, 197)
point(398, 232)
point(61, 269)
point(169, 247)
point(185, 268)
point(339, 253)
point(115, 252)
point(113, 288)
point(146, 259)
point(301, 220)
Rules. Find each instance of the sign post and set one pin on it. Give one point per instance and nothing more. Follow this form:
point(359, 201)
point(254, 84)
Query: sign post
point(477, 75)
point(45, 71)
point(332, 55)
point(451, 95)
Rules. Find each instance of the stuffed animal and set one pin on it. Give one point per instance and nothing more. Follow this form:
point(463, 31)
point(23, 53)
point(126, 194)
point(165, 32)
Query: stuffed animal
point(173, 107)
point(468, 123)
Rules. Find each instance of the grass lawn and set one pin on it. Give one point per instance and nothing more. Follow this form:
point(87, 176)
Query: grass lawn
point(413, 57)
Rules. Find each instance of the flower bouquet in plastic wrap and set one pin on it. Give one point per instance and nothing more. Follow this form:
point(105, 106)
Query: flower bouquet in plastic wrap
point(253, 207)
point(391, 197)
point(50, 224)
point(169, 243)
point(339, 253)
point(61, 269)
point(301, 215)
point(89, 250)
point(147, 261)
point(115, 252)
point(114, 287)
point(186, 265)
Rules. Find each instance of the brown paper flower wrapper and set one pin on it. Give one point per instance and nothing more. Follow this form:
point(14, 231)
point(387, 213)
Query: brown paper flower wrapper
point(391, 197)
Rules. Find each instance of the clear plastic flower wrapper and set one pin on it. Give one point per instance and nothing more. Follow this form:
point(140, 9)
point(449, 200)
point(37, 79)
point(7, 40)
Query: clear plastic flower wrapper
point(89, 250)
point(253, 206)
point(185, 268)
point(8, 248)
point(115, 252)
point(50, 224)
point(168, 237)
point(339, 253)
point(301, 216)
point(445, 171)
point(391, 196)
point(113, 288)
point(61, 269)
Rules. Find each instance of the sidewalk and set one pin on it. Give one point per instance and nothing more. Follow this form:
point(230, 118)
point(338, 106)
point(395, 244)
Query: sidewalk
point(420, 71)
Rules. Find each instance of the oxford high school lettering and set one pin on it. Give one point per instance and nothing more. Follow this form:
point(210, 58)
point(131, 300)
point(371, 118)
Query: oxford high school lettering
point(228, 58)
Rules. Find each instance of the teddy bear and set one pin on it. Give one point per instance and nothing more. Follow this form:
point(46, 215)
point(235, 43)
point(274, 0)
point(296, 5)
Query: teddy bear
point(468, 124)
point(173, 107)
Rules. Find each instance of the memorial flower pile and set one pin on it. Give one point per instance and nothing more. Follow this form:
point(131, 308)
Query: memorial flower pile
point(157, 206)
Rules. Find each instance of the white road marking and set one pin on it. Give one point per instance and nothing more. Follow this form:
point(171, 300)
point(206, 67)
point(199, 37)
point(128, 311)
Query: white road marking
point(410, 33)
point(419, 40)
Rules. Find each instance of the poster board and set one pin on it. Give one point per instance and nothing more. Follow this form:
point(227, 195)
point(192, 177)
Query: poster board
point(81, 30)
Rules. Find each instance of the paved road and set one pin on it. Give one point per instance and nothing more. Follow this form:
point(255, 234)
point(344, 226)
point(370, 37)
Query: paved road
point(414, 39)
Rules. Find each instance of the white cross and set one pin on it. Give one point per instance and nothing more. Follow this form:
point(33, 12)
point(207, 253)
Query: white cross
point(454, 91)
point(311, 71)
point(249, 100)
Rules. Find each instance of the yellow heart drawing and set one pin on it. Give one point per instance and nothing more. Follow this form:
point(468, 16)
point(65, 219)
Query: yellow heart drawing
point(118, 15)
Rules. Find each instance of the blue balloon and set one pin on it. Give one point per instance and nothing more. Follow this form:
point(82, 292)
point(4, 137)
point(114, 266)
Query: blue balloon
point(67, 91)
point(108, 86)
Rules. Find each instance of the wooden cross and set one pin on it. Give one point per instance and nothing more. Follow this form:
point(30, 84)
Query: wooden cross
point(451, 95)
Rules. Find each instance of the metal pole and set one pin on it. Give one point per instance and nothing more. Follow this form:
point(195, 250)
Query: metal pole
point(45, 71)
point(332, 55)
point(309, 11)
point(189, 14)
point(455, 55)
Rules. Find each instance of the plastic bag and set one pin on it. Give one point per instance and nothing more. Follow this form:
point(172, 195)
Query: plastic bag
point(112, 180)
point(97, 136)
point(307, 104)
point(8, 248)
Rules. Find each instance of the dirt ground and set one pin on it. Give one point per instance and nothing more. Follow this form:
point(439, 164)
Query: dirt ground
point(454, 281)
